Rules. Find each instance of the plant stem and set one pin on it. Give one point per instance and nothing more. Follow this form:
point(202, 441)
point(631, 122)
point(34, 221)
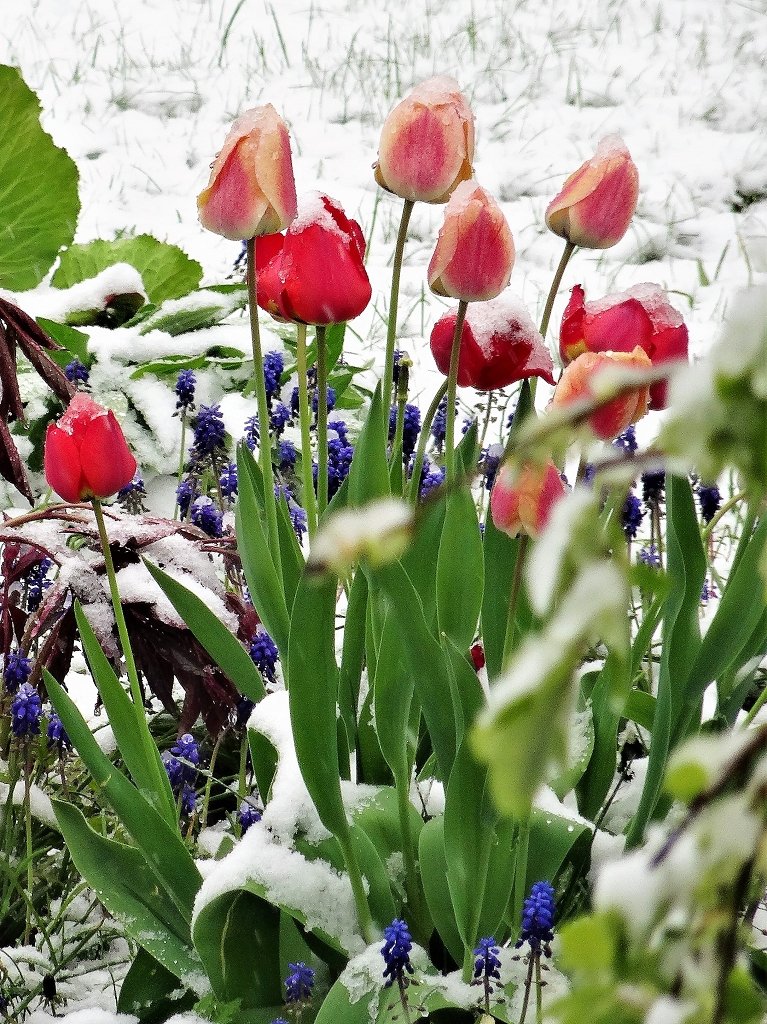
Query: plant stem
point(28, 835)
point(358, 890)
point(516, 586)
point(555, 283)
point(538, 991)
point(181, 461)
point(322, 422)
point(452, 384)
point(428, 419)
point(520, 870)
point(304, 413)
point(412, 887)
point(264, 447)
point(209, 780)
point(730, 504)
point(122, 629)
point(528, 986)
point(391, 327)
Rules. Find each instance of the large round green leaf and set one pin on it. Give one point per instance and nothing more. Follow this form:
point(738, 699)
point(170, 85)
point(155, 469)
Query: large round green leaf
point(39, 203)
point(166, 270)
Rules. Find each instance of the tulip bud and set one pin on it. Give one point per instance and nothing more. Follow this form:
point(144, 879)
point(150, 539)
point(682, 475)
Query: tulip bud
point(522, 500)
point(640, 316)
point(251, 191)
point(474, 254)
point(598, 200)
point(86, 455)
point(580, 380)
point(499, 345)
point(317, 275)
point(427, 143)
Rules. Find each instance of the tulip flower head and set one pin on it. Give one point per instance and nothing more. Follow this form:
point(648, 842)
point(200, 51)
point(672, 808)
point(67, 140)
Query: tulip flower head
point(640, 316)
point(317, 275)
point(580, 380)
point(86, 454)
point(251, 191)
point(522, 500)
point(474, 254)
point(597, 202)
point(499, 345)
point(427, 143)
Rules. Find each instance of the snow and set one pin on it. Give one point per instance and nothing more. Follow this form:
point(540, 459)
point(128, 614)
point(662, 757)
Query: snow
point(377, 531)
point(40, 805)
point(59, 303)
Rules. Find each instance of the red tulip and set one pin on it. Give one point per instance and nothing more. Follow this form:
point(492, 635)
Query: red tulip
point(598, 200)
point(474, 253)
point(427, 143)
point(317, 275)
point(499, 345)
point(522, 500)
point(251, 191)
point(640, 316)
point(578, 382)
point(86, 455)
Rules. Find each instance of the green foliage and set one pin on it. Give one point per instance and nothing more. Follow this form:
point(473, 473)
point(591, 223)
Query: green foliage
point(38, 188)
point(167, 272)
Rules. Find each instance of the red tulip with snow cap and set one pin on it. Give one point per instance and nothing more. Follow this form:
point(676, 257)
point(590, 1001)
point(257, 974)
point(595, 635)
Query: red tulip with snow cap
point(252, 190)
point(317, 274)
point(642, 316)
point(474, 254)
point(522, 499)
point(597, 202)
point(86, 454)
point(580, 380)
point(499, 345)
point(427, 143)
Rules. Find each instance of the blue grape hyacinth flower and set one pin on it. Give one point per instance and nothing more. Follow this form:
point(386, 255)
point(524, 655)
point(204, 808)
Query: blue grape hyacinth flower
point(396, 953)
point(186, 383)
point(16, 671)
point(299, 983)
point(538, 918)
point(26, 711)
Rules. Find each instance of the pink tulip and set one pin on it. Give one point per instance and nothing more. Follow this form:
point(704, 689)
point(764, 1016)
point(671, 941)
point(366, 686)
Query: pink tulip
point(640, 316)
point(499, 345)
point(522, 500)
point(598, 200)
point(251, 191)
point(577, 383)
point(474, 253)
point(427, 143)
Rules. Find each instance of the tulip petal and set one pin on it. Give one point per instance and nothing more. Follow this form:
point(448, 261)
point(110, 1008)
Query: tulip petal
point(107, 461)
point(62, 464)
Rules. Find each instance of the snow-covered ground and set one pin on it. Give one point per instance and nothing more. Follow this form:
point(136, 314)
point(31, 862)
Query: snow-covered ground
point(142, 95)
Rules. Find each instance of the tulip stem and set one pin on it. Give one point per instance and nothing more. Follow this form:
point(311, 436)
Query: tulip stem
point(391, 328)
point(431, 412)
point(322, 421)
point(452, 384)
point(304, 412)
point(181, 461)
point(557, 280)
point(264, 445)
point(516, 586)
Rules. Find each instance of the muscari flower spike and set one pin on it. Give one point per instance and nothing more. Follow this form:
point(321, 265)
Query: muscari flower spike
point(185, 387)
point(228, 481)
point(57, 734)
point(538, 918)
point(396, 953)
point(653, 487)
point(38, 583)
point(274, 366)
point(490, 460)
point(76, 372)
point(299, 983)
point(627, 441)
point(16, 671)
point(250, 432)
point(263, 651)
point(209, 431)
point(650, 557)
point(247, 815)
point(279, 418)
point(186, 492)
point(207, 516)
point(26, 711)
point(431, 479)
point(632, 516)
point(286, 456)
point(411, 428)
point(709, 500)
point(487, 965)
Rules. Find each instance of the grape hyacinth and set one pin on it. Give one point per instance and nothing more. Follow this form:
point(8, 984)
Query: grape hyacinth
point(709, 500)
point(26, 711)
point(653, 487)
point(411, 428)
point(250, 432)
point(247, 815)
point(298, 519)
point(538, 918)
point(186, 492)
point(487, 966)
point(274, 366)
point(209, 431)
point(438, 424)
point(76, 372)
point(187, 799)
point(430, 480)
point(57, 734)
point(228, 481)
point(330, 397)
point(627, 441)
point(185, 388)
point(279, 418)
point(341, 430)
point(490, 460)
point(16, 671)
point(132, 495)
point(207, 516)
point(649, 556)
point(632, 516)
point(243, 710)
point(286, 456)
point(299, 983)
point(263, 651)
point(38, 583)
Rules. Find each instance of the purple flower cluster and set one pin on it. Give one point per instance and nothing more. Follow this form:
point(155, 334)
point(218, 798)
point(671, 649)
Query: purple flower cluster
point(76, 372)
point(26, 711)
point(207, 516)
point(396, 953)
point(185, 387)
point(263, 651)
point(16, 671)
point(538, 917)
